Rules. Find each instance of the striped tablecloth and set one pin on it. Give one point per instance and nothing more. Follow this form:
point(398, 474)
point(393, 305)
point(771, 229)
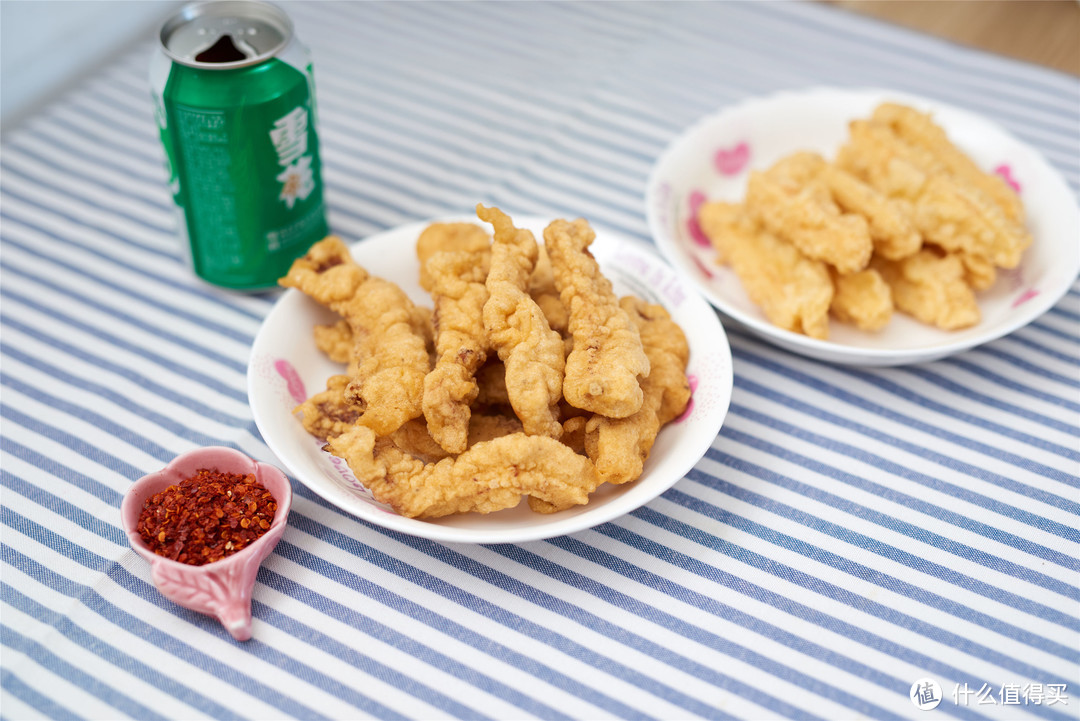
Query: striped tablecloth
point(850, 531)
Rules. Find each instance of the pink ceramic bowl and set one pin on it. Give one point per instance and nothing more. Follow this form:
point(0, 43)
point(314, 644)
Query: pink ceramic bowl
point(222, 588)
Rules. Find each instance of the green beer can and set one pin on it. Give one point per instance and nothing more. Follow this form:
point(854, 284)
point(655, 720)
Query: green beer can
point(235, 106)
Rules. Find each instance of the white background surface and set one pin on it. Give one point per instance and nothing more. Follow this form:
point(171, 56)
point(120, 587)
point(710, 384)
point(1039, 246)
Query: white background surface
point(47, 45)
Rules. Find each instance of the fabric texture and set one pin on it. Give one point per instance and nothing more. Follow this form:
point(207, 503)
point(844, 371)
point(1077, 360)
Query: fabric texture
point(850, 532)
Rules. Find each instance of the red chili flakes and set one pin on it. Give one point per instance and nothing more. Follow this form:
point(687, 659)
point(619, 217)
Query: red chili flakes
point(206, 517)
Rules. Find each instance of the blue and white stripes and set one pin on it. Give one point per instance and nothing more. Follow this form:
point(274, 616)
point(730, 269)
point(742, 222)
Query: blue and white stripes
point(849, 532)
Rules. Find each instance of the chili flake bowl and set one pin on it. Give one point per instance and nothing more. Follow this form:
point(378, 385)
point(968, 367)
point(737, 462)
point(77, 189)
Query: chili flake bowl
point(222, 588)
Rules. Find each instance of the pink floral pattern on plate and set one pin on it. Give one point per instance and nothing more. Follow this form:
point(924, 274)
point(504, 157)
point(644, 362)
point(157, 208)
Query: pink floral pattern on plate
point(1025, 297)
point(695, 201)
point(293, 381)
point(731, 161)
point(1005, 171)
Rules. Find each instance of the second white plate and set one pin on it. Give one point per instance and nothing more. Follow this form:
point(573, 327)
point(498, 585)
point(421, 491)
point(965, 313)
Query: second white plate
point(712, 159)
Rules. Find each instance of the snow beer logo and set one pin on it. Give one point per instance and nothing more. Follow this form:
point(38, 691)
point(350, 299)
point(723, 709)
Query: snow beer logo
point(290, 139)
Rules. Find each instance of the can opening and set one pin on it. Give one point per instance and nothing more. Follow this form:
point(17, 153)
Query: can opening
point(223, 51)
point(225, 34)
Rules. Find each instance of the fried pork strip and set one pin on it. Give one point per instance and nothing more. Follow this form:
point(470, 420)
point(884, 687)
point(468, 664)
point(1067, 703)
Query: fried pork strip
point(604, 368)
point(920, 130)
point(791, 201)
point(442, 237)
point(390, 357)
point(619, 447)
point(930, 286)
point(490, 476)
point(862, 299)
point(949, 210)
point(461, 343)
point(530, 350)
point(794, 292)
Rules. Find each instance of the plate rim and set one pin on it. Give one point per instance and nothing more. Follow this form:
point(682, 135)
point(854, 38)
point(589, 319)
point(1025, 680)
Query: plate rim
point(828, 350)
point(456, 534)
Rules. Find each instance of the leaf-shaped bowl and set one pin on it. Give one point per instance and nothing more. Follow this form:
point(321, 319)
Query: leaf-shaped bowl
point(222, 588)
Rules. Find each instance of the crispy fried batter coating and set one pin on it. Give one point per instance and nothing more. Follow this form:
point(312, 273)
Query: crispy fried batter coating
point(979, 272)
point(792, 202)
point(490, 476)
point(573, 433)
point(442, 237)
point(919, 129)
point(604, 367)
point(794, 292)
point(423, 322)
point(338, 342)
point(862, 299)
point(620, 446)
point(415, 439)
point(335, 340)
point(329, 413)
point(543, 291)
point(531, 351)
point(461, 343)
point(390, 357)
point(956, 218)
point(487, 427)
point(876, 156)
point(931, 287)
point(948, 211)
point(891, 228)
point(491, 384)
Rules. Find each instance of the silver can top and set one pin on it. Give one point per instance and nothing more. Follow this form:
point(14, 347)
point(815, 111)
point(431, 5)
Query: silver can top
point(225, 34)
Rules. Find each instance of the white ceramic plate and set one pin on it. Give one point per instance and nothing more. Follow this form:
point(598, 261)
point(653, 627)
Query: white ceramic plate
point(286, 367)
point(712, 159)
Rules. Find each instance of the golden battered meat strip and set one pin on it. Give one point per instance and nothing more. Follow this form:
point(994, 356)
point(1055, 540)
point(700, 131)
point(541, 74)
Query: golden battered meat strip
point(414, 439)
point(604, 367)
point(423, 322)
point(442, 237)
point(891, 228)
point(873, 154)
point(793, 291)
point(531, 351)
point(919, 129)
point(619, 447)
point(957, 219)
point(930, 286)
point(329, 413)
point(862, 299)
point(543, 291)
point(490, 476)
point(390, 358)
point(791, 202)
point(461, 344)
point(336, 341)
point(979, 272)
point(947, 211)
